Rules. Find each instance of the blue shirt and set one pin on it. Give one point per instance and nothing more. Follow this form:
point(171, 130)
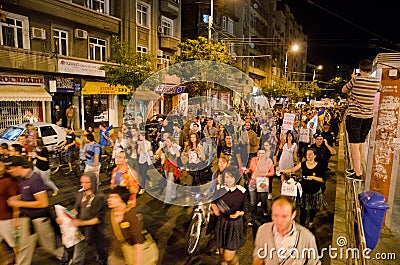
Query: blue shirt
point(103, 141)
point(91, 151)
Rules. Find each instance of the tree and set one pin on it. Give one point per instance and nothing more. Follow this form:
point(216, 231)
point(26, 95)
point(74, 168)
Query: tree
point(281, 88)
point(201, 50)
point(310, 89)
point(129, 67)
point(335, 88)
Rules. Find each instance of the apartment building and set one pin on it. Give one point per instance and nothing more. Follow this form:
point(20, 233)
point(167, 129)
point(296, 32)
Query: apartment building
point(257, 33)
point(51, 51)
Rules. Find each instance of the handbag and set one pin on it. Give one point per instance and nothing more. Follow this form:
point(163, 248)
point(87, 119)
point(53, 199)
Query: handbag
point(150, 251)
point(262, 184)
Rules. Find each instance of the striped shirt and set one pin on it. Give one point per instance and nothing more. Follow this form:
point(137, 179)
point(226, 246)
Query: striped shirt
point(361, 101)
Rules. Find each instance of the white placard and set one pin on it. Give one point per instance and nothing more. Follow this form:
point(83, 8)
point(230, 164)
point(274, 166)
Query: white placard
point(288, 121)
point(70, 233)
point(289, 189)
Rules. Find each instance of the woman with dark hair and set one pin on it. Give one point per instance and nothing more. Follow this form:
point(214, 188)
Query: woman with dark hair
point(313, 179)
point(195, 157)
point(91, 131)
point(126, 227)
point(41, 162)
point(289, 154)
point(221, 139)
point(229, 205)
point(171, 171)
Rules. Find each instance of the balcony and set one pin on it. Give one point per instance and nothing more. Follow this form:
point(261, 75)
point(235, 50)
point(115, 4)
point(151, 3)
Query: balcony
point(258, 72)
point(169, 9)
point(169, 42)
point(72, 12)
point(18, 59)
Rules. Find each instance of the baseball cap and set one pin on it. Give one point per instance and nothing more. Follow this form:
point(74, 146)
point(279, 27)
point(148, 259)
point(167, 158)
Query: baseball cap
point(16, 161)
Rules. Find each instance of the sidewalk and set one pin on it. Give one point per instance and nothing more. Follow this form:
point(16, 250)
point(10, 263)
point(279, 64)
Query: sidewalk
point(389, 238)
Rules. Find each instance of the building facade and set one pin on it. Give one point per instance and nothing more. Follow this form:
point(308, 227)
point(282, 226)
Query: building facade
point(258, 34)
point(51, 52)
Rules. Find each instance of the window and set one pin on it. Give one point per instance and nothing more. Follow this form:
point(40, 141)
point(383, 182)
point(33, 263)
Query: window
point(230, 26)
point(101, 6)
point(12, 31)
point(60, 41)
point(223, 25)
point(252, 21)
point(142, 14)
point(46, 131)
point(141, 49)
point(167, 26)
point(97, 49)
point(12, 133)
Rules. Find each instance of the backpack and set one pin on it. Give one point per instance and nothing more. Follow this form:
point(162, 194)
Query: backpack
point(90, 154)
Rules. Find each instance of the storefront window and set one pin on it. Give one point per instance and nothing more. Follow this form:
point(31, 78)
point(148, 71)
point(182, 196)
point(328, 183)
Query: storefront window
point(96, 110)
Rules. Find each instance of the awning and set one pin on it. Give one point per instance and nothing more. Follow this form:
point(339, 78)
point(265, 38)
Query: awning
point(23, 93)
point(101, 88)
point(145, 94)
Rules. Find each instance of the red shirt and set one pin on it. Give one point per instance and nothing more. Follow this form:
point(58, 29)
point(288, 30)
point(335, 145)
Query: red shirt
point(8, 188)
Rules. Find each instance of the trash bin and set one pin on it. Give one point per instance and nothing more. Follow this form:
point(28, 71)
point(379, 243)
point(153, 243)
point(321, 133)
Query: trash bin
point(372, 214)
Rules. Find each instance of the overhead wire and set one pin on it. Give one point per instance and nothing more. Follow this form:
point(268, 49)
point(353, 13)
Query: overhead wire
point(351, 22)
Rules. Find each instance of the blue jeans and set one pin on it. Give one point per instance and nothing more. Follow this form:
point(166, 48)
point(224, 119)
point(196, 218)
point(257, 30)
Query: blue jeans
point(254, 196)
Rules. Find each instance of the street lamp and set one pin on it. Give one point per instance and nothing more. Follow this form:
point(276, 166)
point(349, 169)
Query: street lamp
point(293, 48)
point(319, 67)
point(210, 20)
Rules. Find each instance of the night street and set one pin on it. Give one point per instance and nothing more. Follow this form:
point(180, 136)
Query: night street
point(168, 224)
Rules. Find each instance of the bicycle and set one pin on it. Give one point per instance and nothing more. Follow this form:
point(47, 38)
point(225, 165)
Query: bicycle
point(58, 159)
point(80, 167)
point(199, 223)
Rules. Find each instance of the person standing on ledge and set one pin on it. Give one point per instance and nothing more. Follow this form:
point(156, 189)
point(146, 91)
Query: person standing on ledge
point(363, 88)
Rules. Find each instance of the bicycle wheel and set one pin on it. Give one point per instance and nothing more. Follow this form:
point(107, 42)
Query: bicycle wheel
point(79, 168)
point(193, 234)
point(54, 165)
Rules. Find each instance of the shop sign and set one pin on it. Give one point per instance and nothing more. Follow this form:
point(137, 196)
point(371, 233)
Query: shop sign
point(6, 79)
point(170, 89)
point(101, 88)
point(102, 117)
point(67, 85)
point(80, 68)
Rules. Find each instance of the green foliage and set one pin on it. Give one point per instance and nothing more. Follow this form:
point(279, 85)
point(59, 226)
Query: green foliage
point(201, 50)
point(282, 88)
point(310, 89)
point(129, 67)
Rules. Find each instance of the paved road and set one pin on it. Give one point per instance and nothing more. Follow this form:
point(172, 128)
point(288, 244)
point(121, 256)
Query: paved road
point(168, 224)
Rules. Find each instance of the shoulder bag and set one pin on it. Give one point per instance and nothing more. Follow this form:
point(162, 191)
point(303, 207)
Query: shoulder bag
point(150, 248)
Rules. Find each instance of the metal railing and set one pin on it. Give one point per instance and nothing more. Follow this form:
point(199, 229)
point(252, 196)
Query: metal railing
point(354, 226)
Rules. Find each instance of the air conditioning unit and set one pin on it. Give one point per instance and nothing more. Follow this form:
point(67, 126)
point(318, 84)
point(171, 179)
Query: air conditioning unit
point(160, 53)
point(160, 29)
point(38, 33)
point(80, 34)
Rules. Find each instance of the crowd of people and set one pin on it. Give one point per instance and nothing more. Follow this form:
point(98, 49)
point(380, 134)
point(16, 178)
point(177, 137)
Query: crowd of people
point(203, 150)
point(236, 157)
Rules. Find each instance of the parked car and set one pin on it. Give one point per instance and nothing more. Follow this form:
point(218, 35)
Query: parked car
point(50, 133)
point(221, 115)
